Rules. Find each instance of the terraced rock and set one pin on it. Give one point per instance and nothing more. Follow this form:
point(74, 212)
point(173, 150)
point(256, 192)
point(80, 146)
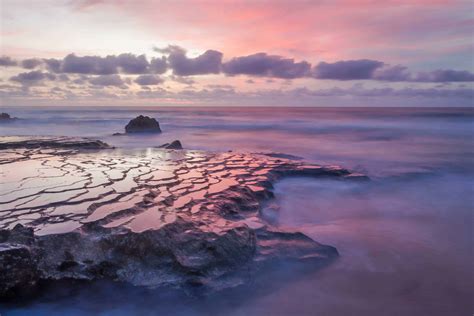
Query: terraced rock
point(149, 217)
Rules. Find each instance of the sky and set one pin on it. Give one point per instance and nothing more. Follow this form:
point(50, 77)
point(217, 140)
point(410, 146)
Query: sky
point(237, 53)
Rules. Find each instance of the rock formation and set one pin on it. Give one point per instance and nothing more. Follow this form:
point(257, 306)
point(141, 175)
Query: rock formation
point(143, 124)
point(176, 144)
point(10, 142)
point(149, 218)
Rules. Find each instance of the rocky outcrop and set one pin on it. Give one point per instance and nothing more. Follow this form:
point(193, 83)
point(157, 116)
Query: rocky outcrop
point(176, 144)
point(179, 253)
point(12, 142)
point(146, 218)
point(18, 265)
point(143, 124)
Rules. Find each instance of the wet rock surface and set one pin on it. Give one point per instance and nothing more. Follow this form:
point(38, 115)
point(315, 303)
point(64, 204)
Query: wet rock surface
point(143, 124)
point(29, 142)
point(150, 218)
point(176, 144)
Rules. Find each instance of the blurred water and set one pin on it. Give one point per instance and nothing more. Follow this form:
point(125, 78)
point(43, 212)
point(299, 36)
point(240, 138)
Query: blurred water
point(377, 139)
point(405, 238)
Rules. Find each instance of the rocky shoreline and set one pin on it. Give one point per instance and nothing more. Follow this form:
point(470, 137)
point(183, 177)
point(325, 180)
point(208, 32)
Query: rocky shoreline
point(49, 142)
point(152, 218)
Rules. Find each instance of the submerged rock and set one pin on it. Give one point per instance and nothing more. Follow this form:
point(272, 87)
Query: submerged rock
point(176, 144)
point(283, 155)
point(146, 218)
point(143, 124)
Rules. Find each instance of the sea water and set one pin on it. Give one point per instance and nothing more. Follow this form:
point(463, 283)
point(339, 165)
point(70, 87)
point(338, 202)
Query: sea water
point(404, 238)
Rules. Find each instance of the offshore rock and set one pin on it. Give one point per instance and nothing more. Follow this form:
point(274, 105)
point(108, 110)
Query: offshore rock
point(5, 117)
point(143, 124)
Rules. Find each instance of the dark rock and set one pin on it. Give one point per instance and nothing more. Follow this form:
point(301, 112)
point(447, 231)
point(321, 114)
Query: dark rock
point(293, 245)
point(8, 142)
point(5, 117)
point(176, 144)
point(282, 155)
point(181, 252)
point(21, 235)
point(143, 124)
point(178, 253)
point(18, 270)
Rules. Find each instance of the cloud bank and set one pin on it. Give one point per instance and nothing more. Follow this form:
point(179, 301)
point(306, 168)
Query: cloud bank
point(264, 65)
point(176, 74)
point(175, 59)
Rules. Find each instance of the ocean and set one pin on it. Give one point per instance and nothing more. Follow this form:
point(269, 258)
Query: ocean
point(404, 238)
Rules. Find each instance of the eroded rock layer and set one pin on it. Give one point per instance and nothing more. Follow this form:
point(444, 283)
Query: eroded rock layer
point(11, 142)
point(150, 217)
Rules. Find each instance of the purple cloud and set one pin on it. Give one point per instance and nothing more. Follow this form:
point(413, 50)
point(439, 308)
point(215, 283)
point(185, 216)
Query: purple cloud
point(347, 69)
point(111, 64)
point(377, 70)
point(445, 75)
point(207, 63)
point(7, 61)
point(158, 65)
point(107, 80)
point(210, 62)
point(63, 77)
point(131, 64)
point(261, 64)
point(408, 92)
point(392, 73)
point(31, 63)
point(53, 65)
point(32, 77)
point(148, 80)
point(89, 65)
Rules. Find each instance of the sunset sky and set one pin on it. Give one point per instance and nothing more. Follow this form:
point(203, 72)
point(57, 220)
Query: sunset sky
point(272, 53)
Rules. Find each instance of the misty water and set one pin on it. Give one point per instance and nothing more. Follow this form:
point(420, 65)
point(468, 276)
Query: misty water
point(404, 238)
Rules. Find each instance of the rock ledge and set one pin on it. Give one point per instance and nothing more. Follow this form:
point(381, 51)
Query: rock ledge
point(150, 218)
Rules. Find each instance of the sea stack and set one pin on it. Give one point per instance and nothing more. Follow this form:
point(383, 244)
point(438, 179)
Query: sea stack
point(143, 124)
